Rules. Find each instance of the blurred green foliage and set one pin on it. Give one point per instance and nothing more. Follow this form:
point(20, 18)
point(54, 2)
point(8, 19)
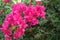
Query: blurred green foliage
point(47, 29)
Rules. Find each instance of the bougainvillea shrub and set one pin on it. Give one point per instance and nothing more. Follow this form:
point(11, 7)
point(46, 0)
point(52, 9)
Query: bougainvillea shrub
point(29, 20)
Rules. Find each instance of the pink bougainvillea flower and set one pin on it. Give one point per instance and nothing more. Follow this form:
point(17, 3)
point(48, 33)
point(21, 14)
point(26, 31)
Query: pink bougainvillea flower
point(18, 7)
point(7, 32)
point(7, 37)
point(19, 32)
point(41, 11)
point(6, 1)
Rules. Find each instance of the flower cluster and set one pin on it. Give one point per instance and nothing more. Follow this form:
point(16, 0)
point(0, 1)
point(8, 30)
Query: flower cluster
point(21, 17)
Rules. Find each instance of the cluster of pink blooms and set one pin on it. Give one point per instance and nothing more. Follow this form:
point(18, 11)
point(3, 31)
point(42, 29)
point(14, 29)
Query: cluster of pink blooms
point(21, 17)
